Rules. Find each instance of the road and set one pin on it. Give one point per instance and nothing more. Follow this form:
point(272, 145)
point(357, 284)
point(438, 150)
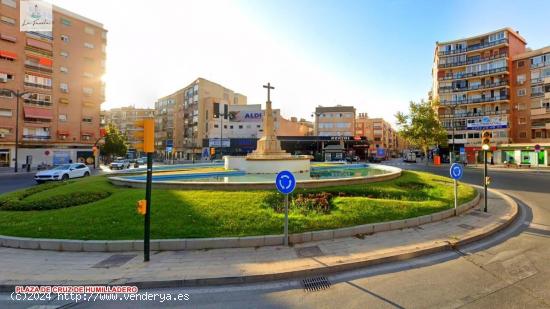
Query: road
point(509, 270)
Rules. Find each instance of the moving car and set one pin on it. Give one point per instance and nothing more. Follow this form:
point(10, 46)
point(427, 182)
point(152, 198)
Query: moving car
point(119, 164)
point(63, 172)
point(409, 156)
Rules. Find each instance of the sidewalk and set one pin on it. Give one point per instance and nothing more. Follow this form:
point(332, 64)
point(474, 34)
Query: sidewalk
point(243, 265)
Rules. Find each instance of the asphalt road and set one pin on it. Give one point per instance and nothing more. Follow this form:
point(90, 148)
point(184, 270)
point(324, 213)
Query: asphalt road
point(11, 182)
point(509, 270)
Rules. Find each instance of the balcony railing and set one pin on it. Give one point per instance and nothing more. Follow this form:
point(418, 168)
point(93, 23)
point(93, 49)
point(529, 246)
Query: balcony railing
point(540, 65)
point(36, 137)
point(472, 61)
point(38, 102)
point(474, 74)
point(472, 47)
point(446, 89)
point(472, 114)
point(37, 67)
point(37, 85)
point(476, 100)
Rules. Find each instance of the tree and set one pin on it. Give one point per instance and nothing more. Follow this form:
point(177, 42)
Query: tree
point(421, 127)
point(115, 142)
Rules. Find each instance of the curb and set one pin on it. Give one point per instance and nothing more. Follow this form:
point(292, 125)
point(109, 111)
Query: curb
point(226, 242)
point(322, 270)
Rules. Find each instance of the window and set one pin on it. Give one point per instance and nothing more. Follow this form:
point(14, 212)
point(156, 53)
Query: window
point(87, 119)
point(64, 54)
point(240, 127)
point(522, 120)
point(65, 21)
point(65, 38)
point(62, 117)
point(521, 79)
point(523, 134)
point(89, 30)
point(5, 112)
point(231, 126)
point(88, 45)
point(216, 126)
point(87, 91)
point(521, 92)
point(38, 81)
point(7, 20)
point(63, 69)
point(5, 77)
point(87, 75)
point(10, 3)
point(521, 107)
point(521, 63)
point(5, 93)
point(64, 87)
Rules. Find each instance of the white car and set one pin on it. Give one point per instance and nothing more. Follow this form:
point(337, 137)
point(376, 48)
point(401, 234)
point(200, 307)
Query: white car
point(119, 165)
point(63, 172)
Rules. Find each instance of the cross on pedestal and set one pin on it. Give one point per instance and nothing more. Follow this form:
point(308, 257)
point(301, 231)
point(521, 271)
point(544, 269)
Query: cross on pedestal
point(269, 87)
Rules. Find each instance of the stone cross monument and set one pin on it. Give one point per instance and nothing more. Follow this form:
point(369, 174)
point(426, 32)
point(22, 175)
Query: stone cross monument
point(268, 147)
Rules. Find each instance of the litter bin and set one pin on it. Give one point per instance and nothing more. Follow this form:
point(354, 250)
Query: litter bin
point(437, 160)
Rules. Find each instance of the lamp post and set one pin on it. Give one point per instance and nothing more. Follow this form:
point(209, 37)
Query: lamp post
point(221, 116)
point(316, 127)
point(453, 107)
point(18, 95)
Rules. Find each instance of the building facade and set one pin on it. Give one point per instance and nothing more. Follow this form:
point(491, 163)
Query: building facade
point(124, 119)
point(334, 121)
point(472, 80)
point(384, 140)
point(59, 73)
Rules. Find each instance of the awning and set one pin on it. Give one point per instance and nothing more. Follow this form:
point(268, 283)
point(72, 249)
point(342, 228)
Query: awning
point(39, 44)
point(63, 132)
point(87, 133)
point(6, 37)
point(64, 100)
point(38, 113)
point(8, 54)
point(45, 62)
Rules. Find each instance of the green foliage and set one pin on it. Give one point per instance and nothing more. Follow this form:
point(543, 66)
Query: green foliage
point(54, 202)
point(206, 213)
point(115, 142)
point(421, 127)
point(316, 202)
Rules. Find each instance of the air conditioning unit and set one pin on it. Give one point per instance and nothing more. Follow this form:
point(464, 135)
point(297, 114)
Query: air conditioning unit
point(3, 79)
point(2, 135)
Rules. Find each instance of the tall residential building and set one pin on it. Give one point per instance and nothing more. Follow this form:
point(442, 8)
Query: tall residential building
point(532, 96)
point(187, 125)
point(472, 76)
point(124, 118)
point(334, 121)
point(60, 72)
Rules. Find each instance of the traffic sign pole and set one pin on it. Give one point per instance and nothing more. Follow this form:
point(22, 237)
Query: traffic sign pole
point(485, 178)
point(456, 172)
point(456, 197)
point(286, 220)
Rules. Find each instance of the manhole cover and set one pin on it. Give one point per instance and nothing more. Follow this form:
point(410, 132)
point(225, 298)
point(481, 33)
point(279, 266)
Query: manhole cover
point(466, 226)
point(479, 214)
point(316, 284)
point(309, 251)
point(116, 260)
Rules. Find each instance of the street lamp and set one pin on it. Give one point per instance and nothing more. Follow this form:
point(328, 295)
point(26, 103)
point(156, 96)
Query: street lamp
point(18, 95)
point(453, 107)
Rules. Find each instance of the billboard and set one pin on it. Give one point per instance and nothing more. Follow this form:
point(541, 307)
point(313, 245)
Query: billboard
point(215, 142)
point(61, 157)
point(245, 116)
point(487, 123)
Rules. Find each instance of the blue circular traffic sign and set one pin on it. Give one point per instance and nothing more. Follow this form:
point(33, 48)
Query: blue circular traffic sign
point(285, 182)
point(456, 171)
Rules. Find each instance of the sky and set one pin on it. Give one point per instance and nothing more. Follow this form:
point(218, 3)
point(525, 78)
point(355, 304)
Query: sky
point(374, 55)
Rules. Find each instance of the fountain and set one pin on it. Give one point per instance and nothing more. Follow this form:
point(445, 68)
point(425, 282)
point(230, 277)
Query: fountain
point(268, 158)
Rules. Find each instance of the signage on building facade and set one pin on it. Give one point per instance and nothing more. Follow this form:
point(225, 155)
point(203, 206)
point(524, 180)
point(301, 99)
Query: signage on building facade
point(35, 15)
point(215, 142)
point(245, 116)
point(487, 123)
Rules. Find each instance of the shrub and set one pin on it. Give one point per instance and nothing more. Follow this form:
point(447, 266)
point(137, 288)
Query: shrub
point(274, 200)
point(53, 202)
point(317, 202)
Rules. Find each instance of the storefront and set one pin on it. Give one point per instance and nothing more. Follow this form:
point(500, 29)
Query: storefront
point(525, 154)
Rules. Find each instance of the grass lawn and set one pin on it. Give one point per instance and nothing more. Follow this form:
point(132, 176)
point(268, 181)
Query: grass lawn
point(205, 213)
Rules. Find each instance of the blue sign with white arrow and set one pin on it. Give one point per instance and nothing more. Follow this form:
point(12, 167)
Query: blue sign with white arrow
point(285, 182)
point(456, 171)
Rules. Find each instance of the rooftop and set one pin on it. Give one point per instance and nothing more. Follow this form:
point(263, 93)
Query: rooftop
point(510, 30)
point(532, 53)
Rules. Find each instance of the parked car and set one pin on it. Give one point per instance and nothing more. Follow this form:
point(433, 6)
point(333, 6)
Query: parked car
point(375, 160)
point(409, 157)
point(119, 165)
point(352, 159)
point(63, 172)
point(141, 161)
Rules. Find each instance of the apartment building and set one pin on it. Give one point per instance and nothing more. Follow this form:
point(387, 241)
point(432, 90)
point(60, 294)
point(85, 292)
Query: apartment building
point(334, 121)
point(182, 120)
point(384, 141)
point(472, 81)
point(59, 75)
point(124, 118)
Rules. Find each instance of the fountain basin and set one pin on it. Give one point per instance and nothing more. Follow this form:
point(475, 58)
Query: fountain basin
point(268, 164)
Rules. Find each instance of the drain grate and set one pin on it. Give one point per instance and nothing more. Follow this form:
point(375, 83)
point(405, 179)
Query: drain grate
point(316, 284)
point(115, 260)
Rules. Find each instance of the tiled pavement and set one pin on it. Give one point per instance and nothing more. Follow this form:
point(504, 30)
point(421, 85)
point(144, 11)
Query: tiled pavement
point(216, 266)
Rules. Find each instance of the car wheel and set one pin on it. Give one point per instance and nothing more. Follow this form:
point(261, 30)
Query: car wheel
point(65, 177)
point(86, 174)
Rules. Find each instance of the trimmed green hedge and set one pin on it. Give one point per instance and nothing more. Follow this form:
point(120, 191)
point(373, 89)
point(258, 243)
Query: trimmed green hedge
point(21, 203)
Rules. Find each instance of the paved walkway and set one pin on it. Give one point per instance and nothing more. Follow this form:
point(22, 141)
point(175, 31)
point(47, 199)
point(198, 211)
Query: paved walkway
point(221, 266)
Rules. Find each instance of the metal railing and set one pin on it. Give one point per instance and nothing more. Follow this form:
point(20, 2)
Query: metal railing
point(37, 85)
point(472, 47)
point(476, 114)
point(476, 100)
point(38, 102)
point(472, 61)
point(474, 74)
point(36, 137)
point(38, 67)
point(446, 89)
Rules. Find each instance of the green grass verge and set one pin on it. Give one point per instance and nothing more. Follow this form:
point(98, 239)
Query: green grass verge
point(205, 213)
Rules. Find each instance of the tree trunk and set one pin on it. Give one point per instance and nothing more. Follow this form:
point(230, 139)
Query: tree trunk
point(425, 148)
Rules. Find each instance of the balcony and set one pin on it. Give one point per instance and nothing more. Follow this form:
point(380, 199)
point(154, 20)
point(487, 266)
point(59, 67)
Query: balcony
point(448, 89)
point(38, 102)
point(472, 114)
point(38, 67)
point(473, 47)
point(27, 84)
point(463, 75)
point(476, 100)
point(472, 61)
point(540, 65)
point(33, 137)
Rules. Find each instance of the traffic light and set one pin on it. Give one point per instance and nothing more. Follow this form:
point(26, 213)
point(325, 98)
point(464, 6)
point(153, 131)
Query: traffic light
point(146, 134)
point(141, 207)
point(485, 140)
point(212, 151)
point(488, 180)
